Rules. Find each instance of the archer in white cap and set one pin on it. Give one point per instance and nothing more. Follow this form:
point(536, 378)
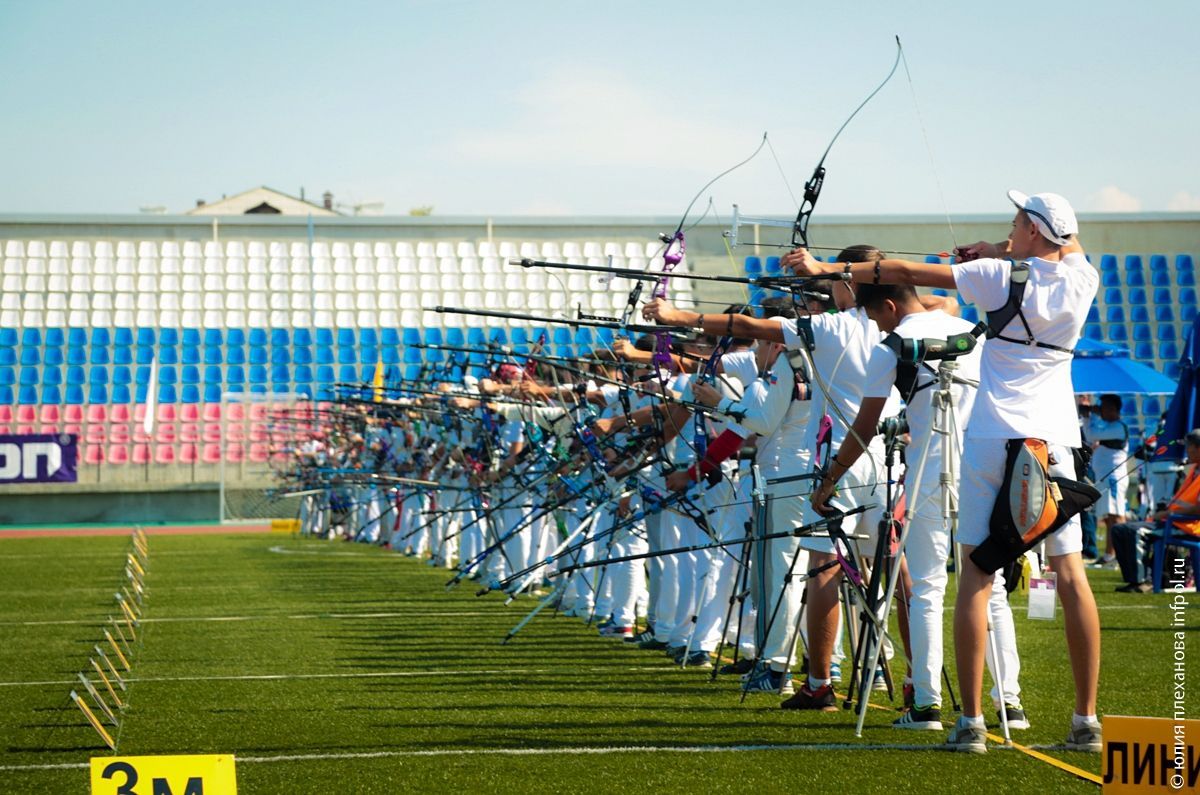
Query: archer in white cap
point(1025, 391)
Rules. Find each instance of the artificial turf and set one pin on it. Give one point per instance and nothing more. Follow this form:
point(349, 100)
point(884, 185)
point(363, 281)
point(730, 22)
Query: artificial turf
point(335, 667)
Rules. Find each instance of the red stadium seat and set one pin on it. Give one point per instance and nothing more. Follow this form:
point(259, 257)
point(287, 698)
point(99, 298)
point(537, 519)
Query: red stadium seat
point(189, 413)
point(187, 453)
point(6, 413)
point(164, 454)
point(166, 413)
point(189, 432)
point(97, 412)
point(258, 412)
point(258, 432)
point(51, 414)
point(259, 453)
point(118, 454)
point(139, 413)
point(118, 434)
point(141, 454)
point(97, 434)
point(212, 431)
point(77, 430)
point(26, 413)
point(236, 412)
point(164, 433)
point(212, 412)
point(25, 430)
point(73, 414)
point(48, 429)
point(119, 413)
point(211, 454)
point(235, 453)
point(93, 454)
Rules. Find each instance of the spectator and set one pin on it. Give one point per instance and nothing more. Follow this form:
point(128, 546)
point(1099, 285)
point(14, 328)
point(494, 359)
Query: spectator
point(1087, 519)
point(1109, 438)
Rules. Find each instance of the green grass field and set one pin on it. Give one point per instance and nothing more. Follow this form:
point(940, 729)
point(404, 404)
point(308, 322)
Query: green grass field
point(331, 667)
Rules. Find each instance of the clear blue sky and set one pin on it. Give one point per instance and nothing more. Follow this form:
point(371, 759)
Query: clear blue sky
point(584, 108)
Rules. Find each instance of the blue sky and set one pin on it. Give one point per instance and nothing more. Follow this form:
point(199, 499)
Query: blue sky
point(489, 108)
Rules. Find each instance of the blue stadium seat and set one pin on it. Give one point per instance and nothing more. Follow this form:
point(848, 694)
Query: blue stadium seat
point(390, 336)
point(303, 374)
point(281, 356)
point(302, 336)
point(77, 337)
point(368, 336)
point(8, 356)
point(32, 337)
point(1133, 262)
point(189, 394)
point(391, 355)
point(122, 355)
point(773, 265)
point(213, 336)
point(51, 376)
point(412, 336)
point(189, 354)
point(345, 336)
point(8, 376)
point(1093, 315)
point(1163, 296)
point(28, 396)
point(1187, 296)
point(302, 355)
point(370, 355)
point(583, 337)
point(97, 393)
point(167, 374)
point(53, 356)
point(99, 355)
point(235, 336)
point(1137, 295)
point(168, 354)
point(1187, 314)
point(51, 396)
point(191, 336)
point(212, 374)
point(212, 354)
point(281, 373)
point(413, 371)
point(324, 374)
point(166, 394)
point(1186, 279)
point(1108, 262)
point(76, 355)
point(1143, 350)
point(31, 357)
point(348, 374)
point(519, 336)
point(324, 336)
point(497, 334)
point(454, 336)
point(1113, 296)
point(258, 354)
point(1115, 314)
point(212, 393)
point(258, 336)
point(1093, 331)
point(1164, 314)
point(1141, 333)
point(55, 338)
point(1172, 370)
point(753, 266)
point(1135, 279)
point(1166, 332)
point(235, 375)
point(190, 374)
point(74, 396)
point(970, 314)
point(258, 389)
point(1184, 263)
point(475, 336)
point(280, 336)
point(141, 376)
point(121, 375)
point(347, 355)
point(235, 354)
point(1110, 279)
point(1139, 314)
point(412, 356)
point(324, 354)
point(29, 376)
point(168, 336)
point(76, 374)
point(146, 336)
point(565, 351)
point(1160, 278)
point(144, 354)
point(8, 338)
point(1117, 333)
point(561, 336)
point(120, 394)
point(258, 374)
point(433, 336)
point(430, 356)
point(605, 336)
point(1168, 351)
point(1158, 263)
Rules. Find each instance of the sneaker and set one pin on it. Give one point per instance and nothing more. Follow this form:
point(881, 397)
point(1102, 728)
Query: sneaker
point(963, 737)
point(643, 636)
point(605, 624)
point(652, 644)
point(675, 652)
point(1140, 587)
point(879, 685)
point(1104, 562)
point(1085, 738)
point(769, 681)
point(922, 718)
point(614, 631)
point(1016, 718)
point(698, 659)
point(806, 698)
point(742, 667)
point(835, 673)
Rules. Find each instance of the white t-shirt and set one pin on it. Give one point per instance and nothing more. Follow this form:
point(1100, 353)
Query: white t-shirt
point(881, 376)
point(1107, 462)
point(780, 422)
point(1025, 390)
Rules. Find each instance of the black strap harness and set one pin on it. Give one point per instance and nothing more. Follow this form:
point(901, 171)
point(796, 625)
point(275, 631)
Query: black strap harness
point(998, 319)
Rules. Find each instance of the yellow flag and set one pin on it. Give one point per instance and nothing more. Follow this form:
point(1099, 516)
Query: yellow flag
point(377, 381)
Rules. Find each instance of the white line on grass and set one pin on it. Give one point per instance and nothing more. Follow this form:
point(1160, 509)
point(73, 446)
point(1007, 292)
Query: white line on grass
point(578, 751)
point(284, 677)
point(268, 617)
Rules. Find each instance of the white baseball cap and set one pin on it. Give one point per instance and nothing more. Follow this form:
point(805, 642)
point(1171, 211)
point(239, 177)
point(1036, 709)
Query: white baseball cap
point(1051, 213)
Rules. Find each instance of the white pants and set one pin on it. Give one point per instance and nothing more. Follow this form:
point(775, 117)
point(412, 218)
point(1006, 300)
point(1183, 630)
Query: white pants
point(724, 574)
point(628, 578)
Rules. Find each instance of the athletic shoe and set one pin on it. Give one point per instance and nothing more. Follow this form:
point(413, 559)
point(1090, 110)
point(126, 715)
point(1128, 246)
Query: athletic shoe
point(1104, 562)
point(806, 698)
point(923, 718)
point(613, 631)
point(879, 685)
point(972, 739)
point(742, 667)
point(835, 673)
point(605, 624)
point(652, 644)
point(698, 659)
point(644, 635)
point(1140, 587)
point(675, 652)
point(1085, 738)
point(1016, 718)
point(768, 681)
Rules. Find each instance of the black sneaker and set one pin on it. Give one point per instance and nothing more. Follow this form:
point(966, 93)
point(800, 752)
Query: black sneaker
point(805, 698)
point(644, 635)
point(651, 644)
point(675, 652)
point(1016, 718)
point(922, 718)
point(742, 667)
point(698, 659)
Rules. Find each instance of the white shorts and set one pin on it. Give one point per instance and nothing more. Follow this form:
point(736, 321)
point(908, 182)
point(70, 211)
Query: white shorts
point(1112, 495)
point(982, 475)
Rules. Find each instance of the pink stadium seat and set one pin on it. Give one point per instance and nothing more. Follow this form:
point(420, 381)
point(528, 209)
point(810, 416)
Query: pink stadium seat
point(187, 453)
point(25, 430)
point(5, 428)
point(236, 412)
point(139, 413)
point(73, 414)
point(118, 434)
point(141, 454)
point(212, 431)
point(212, 454)
point(212, 412)
point(164, 454)
point(118, 454)
point(74, 429)
point(166, 413)
point(190, 412)
point(97, 412)
point(97, 434)
point(26, 413)
point(189, 432)
point(235, 453)
point(280, 455)
point(94, 454)
point(259, 453)
point(258, 412)
point(6, 413)
point(139, 434)
point(235, 433)
point(164, 433)
point(119, 413)
point(258, 432)
point(51, 414)
point(48, 429)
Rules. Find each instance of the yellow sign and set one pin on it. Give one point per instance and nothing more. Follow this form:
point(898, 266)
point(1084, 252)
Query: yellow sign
point(285, 525)
point(164, 775)
point(1150, 755)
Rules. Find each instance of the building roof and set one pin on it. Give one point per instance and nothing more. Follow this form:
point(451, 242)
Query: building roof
point(261, 200)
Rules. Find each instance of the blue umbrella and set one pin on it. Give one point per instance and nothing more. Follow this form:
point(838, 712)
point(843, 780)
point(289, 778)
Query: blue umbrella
point(1183, 414)
point(1100, 367)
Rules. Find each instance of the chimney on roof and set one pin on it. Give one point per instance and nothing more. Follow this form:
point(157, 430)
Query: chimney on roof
point(199, 202)
point(327, 200)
